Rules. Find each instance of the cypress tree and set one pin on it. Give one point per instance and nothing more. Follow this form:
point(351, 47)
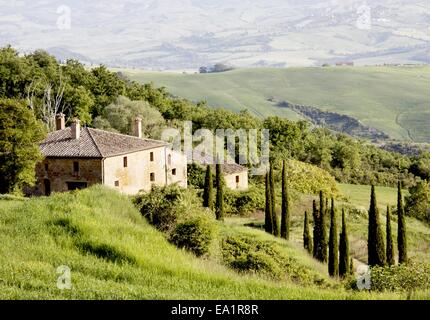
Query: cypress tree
point(268, 226)
point(375, 241)
point(285, 216)
point(351, 266)
point(208, 200)
point(323, 239)
point(333, 257)
point(315, 216)
point(219, 205)
point(390, 245)
point(275, 221)
point(344, 259)
point(401, 227)
point(307, 240)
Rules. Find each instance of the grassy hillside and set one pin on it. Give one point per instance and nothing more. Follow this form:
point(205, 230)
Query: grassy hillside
point(114, 253)
point(392, 99)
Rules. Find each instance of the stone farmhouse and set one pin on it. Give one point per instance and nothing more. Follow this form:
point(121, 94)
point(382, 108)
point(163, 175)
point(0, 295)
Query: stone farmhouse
point(76, 158)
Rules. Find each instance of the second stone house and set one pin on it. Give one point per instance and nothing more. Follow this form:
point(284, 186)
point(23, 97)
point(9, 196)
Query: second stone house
point(78, 157)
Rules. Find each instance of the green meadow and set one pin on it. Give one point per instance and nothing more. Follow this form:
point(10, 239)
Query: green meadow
point(114, 254)
point(395, 100)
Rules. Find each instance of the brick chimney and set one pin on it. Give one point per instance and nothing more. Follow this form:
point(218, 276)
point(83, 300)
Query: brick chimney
point(137, 127)
point(60, 121)
point(76, 129)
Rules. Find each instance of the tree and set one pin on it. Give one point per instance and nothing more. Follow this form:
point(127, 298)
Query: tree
point(417, 204)
point(121, 114)
point(20, 134)
point(390, 245)
point(275, 222)
point(375, 241)
point(333, 258)
point(322, 251)
point(268, 222)
point(219, 205)
point(316, 233)
point(401, 227)
point(307, 239)
point(285, 216)
point(344, 258)
point(208, 200)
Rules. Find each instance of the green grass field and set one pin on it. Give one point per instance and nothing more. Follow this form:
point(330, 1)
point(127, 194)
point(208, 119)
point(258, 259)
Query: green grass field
point(359, 195)
point(395, 100)
point(114, 254)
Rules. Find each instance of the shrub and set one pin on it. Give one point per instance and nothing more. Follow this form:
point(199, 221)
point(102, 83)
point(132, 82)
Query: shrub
point(196, 175)
point(194, 235)
point(246, 254)
point(161, 207)
point(244, 202)
point(411, 277)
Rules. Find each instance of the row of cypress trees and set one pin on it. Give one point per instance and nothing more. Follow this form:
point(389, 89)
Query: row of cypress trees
point(379, 253)
point(208, 193)
point(271, 222)
point(335, 249)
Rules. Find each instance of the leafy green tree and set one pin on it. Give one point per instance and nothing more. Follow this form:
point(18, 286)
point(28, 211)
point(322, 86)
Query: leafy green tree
point(390, 244)
point(120, 115)
point(375, 241)
point(401, 227)
point(14, 73)
point(79, 101)
point(106, 87)
point(285, 216)
point(344, 258)
point(333, 258)
point(307, 238)
point(219, 204)
point(418, 202)
point(268, 221)
point(275, 221)
point(20, 134)
point(208, 189)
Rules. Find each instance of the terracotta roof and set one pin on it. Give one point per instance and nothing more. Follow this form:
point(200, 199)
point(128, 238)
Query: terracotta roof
point(228, 167)
point(93, 143)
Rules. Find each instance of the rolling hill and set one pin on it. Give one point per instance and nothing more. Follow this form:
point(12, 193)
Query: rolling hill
point(114, 254)
point(394, 100)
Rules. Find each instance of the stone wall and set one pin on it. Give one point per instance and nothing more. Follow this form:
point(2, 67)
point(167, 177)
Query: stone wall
point(59, 172)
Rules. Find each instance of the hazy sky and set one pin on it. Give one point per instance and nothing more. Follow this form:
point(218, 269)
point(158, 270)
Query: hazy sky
point(186, 33)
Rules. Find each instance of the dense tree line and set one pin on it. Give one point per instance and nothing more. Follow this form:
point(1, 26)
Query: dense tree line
point(108, 100)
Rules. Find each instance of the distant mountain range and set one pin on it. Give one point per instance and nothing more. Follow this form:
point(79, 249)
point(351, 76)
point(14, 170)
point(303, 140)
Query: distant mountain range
point(187, 34)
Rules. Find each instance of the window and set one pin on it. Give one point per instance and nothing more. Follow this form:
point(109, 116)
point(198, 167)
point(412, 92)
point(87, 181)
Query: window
point(117, 183)
point(75, 167)
point(237, 179)
point(174, 172)
point(46, 167)
point(152, 177)
point(75, 185)
point(125, 162)
point(151, 156)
